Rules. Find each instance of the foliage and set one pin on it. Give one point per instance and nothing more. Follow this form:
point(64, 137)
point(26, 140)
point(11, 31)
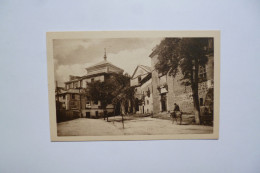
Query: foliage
point(183, 55)
point(192, 55)
point(115, 89)
point(123, 90)
point(100, 91)
point(168, 56)
point(180, 55)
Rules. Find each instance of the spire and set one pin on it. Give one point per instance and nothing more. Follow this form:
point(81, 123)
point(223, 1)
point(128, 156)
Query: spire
point(105, 55)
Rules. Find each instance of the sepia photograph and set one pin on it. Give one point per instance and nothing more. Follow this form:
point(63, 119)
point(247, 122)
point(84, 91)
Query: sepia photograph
point(133, 85)
point(130, 86)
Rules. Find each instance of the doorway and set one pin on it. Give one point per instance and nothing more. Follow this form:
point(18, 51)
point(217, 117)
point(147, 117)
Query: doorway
point(164, 102)
point(87, 114)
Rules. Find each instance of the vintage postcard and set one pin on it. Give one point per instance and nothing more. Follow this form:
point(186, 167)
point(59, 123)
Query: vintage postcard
point(133, 85)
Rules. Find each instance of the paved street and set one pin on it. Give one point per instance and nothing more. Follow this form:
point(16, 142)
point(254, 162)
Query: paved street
point(136, 126)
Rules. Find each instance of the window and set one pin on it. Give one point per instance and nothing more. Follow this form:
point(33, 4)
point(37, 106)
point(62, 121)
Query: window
point(64, 96)
point(74, 105)
point(73, 96)
point(147, 102)
point(76, 85)
point(96, 102)
point(88, 106)
point(201, 101)
point(202, 72)
point(148, 92)
point(92, 80)
point(139, 79)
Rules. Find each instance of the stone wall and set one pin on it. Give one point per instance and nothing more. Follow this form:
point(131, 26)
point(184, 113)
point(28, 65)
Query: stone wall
point(148, 99)
point(155, 83)
point(178, 93)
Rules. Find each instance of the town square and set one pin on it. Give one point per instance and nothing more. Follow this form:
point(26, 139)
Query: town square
point(134, 86)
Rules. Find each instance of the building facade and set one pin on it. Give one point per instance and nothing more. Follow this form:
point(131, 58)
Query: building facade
point(142, 81)
point(168, 90)
point(73, 98)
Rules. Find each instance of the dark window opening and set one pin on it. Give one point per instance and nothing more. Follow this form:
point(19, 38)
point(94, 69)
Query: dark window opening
point(76, 85)
point(87, 114)
point(202, 72)
point(139, 79)
point(148, 92)
point(163, 102)
point(201, 101)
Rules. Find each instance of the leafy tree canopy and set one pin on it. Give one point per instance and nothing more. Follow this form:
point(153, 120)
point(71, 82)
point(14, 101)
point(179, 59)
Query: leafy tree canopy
point(186, 55)
point(182, 54)
point(114, 89)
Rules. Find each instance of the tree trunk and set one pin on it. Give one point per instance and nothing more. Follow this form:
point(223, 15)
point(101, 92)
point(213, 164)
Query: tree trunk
point(196, 106)
point(107, 115)
point(133, 104)
point(114, 105)
point(195, 94)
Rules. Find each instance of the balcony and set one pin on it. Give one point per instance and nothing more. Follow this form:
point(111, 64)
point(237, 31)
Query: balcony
point(163, 88)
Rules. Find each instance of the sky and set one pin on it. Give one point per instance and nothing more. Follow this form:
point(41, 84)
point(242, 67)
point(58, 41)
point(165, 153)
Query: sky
point(72, 56)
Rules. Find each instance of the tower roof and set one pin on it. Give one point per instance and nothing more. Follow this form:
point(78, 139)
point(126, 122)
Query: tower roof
point(104, 66)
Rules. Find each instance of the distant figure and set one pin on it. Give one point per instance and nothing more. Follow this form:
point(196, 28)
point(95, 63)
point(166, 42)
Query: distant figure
point(176, 108)
point(176, 113)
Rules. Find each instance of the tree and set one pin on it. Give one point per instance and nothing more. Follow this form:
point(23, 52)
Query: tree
point(185, 55)
point(123, 93)
point(114, 89)
point(101, 91)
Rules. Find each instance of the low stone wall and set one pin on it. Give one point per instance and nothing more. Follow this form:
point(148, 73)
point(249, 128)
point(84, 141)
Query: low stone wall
point(66, 115)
